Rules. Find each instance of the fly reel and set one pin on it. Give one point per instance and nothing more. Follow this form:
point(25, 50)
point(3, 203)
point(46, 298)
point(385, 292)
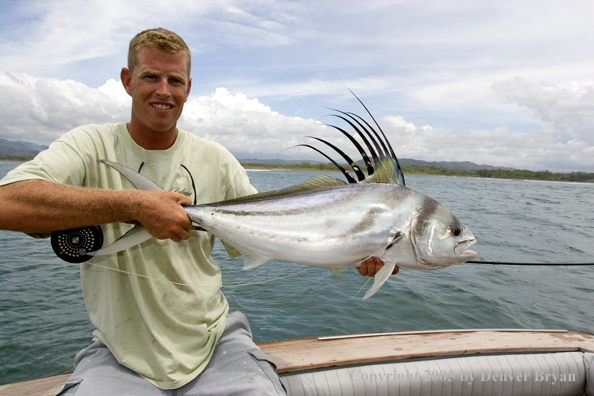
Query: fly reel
point(74, 244)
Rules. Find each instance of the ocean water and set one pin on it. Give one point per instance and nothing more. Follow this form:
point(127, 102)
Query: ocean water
point(43, 322)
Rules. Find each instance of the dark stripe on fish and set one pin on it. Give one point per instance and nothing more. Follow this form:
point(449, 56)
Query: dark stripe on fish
point(428, 208)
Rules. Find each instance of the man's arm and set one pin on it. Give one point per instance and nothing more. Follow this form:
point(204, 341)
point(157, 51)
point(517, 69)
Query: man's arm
point(43, 206)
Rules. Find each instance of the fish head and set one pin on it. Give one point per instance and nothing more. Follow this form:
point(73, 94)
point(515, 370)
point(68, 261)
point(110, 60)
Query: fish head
point(440, 238)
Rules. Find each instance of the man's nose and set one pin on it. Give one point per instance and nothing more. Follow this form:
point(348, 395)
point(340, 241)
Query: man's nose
point(163, 88)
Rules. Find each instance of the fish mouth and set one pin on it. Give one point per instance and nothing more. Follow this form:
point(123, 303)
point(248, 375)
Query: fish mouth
point(461, 249)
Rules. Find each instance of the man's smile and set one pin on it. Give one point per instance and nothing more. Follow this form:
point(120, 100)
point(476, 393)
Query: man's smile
point(162, 106)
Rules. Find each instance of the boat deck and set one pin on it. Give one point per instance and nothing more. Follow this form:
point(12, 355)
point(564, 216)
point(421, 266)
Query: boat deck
point(299, 355)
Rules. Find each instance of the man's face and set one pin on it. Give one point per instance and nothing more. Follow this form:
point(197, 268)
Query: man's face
point(159, 87)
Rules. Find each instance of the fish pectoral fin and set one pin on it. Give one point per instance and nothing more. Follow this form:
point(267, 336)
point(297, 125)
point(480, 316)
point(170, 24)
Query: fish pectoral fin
point(134, 237)
point(336, 271)
point(395, 237)
point(380, 278)
point(251, 261)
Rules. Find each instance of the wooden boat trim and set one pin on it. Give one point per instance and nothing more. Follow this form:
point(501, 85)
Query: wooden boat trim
point(363, 335)
point(312, 353)
point(292, 356)
point(46, 386)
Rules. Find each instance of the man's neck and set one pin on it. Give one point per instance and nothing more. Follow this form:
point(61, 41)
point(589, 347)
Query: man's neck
point(151, 140)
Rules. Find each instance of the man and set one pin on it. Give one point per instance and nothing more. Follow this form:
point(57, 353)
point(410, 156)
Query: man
point(161, 321)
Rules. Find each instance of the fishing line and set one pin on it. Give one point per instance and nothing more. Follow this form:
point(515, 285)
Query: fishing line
point(270, 280)
point(511, 263)
point(185, 284)
point(354, 295)
point(139, 275)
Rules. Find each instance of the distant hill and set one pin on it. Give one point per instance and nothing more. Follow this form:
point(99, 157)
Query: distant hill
point(461, 165)
point(17, 147)
point(277, 161)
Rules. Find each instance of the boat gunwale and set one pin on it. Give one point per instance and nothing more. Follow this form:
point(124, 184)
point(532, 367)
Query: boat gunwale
point(292, 356)
point(303, 355)
point(364, 335)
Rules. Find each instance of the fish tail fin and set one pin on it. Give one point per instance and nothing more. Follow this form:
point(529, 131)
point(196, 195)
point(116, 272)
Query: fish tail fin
point(134, 237)
point(380, 278)
point(139, 181)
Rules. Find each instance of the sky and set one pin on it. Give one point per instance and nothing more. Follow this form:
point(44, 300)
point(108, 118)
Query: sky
point(503, 83)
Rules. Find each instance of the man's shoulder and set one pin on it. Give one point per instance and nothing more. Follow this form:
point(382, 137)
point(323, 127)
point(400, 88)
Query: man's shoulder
point(206, 146)
point(91, 131)
point(95, 129)
point(195, 139)
point(92, 135)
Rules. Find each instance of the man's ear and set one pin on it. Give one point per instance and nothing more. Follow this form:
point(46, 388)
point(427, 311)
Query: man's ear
point(189, 87)
point(126, 78)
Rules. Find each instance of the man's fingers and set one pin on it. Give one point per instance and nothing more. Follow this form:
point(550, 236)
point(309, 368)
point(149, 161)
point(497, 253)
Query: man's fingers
point(186, 227)
point(371, 266)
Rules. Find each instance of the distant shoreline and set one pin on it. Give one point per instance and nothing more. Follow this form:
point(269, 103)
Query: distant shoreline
point(15, 158)
point(518, 174)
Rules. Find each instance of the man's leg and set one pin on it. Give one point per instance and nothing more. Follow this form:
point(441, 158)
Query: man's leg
point(98, 373)
point(238, 367)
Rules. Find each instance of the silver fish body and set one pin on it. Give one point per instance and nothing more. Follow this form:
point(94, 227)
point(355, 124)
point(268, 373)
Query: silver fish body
point(325, 222)
point(336, 227)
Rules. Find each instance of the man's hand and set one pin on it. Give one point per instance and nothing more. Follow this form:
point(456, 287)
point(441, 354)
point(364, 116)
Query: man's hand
point(163, 217)
point(371, 266)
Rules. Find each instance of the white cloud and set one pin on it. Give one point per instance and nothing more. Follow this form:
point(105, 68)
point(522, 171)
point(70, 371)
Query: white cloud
point(564, 142)
point(41, 109)
point(568, 110)
point(535, 151)
point(245, 125)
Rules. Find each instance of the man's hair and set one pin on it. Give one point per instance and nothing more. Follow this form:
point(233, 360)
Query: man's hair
point(159, 40)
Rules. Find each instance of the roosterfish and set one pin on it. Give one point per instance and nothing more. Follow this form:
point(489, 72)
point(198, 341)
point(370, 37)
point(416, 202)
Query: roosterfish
point(327, 222)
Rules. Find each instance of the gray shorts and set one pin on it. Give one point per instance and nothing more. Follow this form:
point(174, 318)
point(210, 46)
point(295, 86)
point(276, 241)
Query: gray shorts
point(238, 367)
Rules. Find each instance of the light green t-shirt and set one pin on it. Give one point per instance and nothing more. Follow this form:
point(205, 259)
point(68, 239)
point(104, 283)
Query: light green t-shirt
point(164, 322)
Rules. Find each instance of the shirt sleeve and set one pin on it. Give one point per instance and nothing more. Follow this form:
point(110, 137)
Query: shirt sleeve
point(60, 163)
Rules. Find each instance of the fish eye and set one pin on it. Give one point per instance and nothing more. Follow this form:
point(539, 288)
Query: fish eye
point(456, 231)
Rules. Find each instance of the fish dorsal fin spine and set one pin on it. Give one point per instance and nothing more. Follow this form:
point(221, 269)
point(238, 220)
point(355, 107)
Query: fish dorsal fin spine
point(385, 167)
point(385, 173)
point(317, 182)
